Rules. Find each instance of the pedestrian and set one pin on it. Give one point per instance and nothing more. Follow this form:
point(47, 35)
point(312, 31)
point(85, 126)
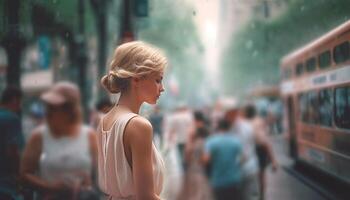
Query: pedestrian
point(223, 151)
point(130, 166)
point(156, 118)
point(264, 150)
point(250, 169)
point(11, 141)
point(196, 185)
point(60, 157)
point(102, 107)
point(178, 128)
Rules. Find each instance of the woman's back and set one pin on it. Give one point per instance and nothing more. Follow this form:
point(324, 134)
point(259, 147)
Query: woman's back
point(115, 172)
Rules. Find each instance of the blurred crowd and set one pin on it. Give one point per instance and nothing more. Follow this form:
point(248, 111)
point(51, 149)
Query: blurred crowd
point(216, 152)
point(223, 152)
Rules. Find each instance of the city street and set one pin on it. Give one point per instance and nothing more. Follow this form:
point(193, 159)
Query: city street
point(280, 184)
point(226, 90)
point(283, 185)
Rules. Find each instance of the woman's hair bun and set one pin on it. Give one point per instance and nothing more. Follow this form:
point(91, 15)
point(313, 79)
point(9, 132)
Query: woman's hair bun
point(110, 83)
point(132, 60)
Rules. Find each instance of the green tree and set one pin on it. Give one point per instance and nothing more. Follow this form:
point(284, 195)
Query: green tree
point(254, 53)
point(170, 26)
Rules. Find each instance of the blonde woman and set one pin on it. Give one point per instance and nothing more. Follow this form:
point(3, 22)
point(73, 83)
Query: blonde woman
point(130, 166)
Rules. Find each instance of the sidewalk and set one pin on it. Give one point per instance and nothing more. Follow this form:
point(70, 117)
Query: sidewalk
point(283, 186)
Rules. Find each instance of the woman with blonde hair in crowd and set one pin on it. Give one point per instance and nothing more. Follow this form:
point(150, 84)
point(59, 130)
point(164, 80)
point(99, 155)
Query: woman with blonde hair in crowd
point(60, 156)
point(130, 167)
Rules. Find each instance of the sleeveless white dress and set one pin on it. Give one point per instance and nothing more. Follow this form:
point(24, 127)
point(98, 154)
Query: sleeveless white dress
point(114, 172)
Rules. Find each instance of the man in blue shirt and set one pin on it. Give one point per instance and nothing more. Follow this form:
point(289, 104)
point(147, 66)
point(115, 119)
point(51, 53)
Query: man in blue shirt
point(223, 151)
point(11, 141)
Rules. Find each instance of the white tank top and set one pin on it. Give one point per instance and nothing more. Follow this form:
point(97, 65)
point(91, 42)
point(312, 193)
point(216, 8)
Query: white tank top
point(66, 158)
point(246, 135)
point(114, 172)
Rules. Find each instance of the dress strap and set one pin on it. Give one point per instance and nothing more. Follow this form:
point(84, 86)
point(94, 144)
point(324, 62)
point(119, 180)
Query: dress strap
point(127, 117)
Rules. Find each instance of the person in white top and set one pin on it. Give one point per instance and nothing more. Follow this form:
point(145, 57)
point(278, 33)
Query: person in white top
point(129, 165)
point(264, 149)
point(178, 128)
point(60, 156)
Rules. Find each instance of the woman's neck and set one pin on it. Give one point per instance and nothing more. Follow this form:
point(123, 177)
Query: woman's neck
point(70, 130)
point(129, 101)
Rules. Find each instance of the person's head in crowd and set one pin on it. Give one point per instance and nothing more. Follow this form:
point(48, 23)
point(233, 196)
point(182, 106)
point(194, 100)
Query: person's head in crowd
point(223, 125)
point(11, 99)
point(202, 132)
point(200, 125)
point(249, 111)
point(199, 119)
point(104, 105)
point(63, 107)
point(134, 70)
point(231, 114)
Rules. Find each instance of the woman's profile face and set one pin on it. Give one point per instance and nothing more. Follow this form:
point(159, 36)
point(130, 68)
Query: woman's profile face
point(151, 87)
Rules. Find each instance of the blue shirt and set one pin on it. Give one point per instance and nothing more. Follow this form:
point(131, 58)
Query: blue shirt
point(225, 154)
point(10, 135)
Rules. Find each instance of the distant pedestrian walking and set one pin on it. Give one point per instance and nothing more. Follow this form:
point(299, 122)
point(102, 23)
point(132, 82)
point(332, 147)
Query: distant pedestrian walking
point(264, 150)
point(223, 151)
point(245, 132)
point(157, 121)
point(11, 141)
point(178, 127)
point(196, 185)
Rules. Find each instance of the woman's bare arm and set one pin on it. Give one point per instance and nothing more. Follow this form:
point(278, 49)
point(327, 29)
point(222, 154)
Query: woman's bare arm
point(263, 139)
point(30, 162)
point(138, 136)
point(93, 153)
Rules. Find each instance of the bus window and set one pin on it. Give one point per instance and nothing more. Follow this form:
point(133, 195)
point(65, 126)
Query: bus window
point(299, 69)
point(308, 106)
point(342, 107)
point(324, 59)
point(311, 64)
point(325, 107)
point(341, 52)
point(303, 107)
point(312, 109)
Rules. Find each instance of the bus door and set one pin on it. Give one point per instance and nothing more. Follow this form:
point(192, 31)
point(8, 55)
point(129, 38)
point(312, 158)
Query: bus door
point(291, 127)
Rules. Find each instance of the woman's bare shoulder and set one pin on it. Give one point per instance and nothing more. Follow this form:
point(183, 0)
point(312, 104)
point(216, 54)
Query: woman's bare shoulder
point(139, 127)
point(139, 123)
point(34, 143)
point(36, 135)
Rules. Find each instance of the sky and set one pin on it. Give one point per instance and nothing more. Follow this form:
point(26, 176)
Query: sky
point(207, 22)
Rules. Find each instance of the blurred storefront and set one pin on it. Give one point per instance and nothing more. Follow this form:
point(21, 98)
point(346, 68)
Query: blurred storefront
point(45, 61)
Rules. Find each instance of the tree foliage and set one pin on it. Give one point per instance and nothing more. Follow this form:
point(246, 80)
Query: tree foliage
point(255, 51)
point(170, 26)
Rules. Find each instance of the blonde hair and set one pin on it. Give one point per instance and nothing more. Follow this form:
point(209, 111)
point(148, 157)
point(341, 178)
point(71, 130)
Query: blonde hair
point(132, 60)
